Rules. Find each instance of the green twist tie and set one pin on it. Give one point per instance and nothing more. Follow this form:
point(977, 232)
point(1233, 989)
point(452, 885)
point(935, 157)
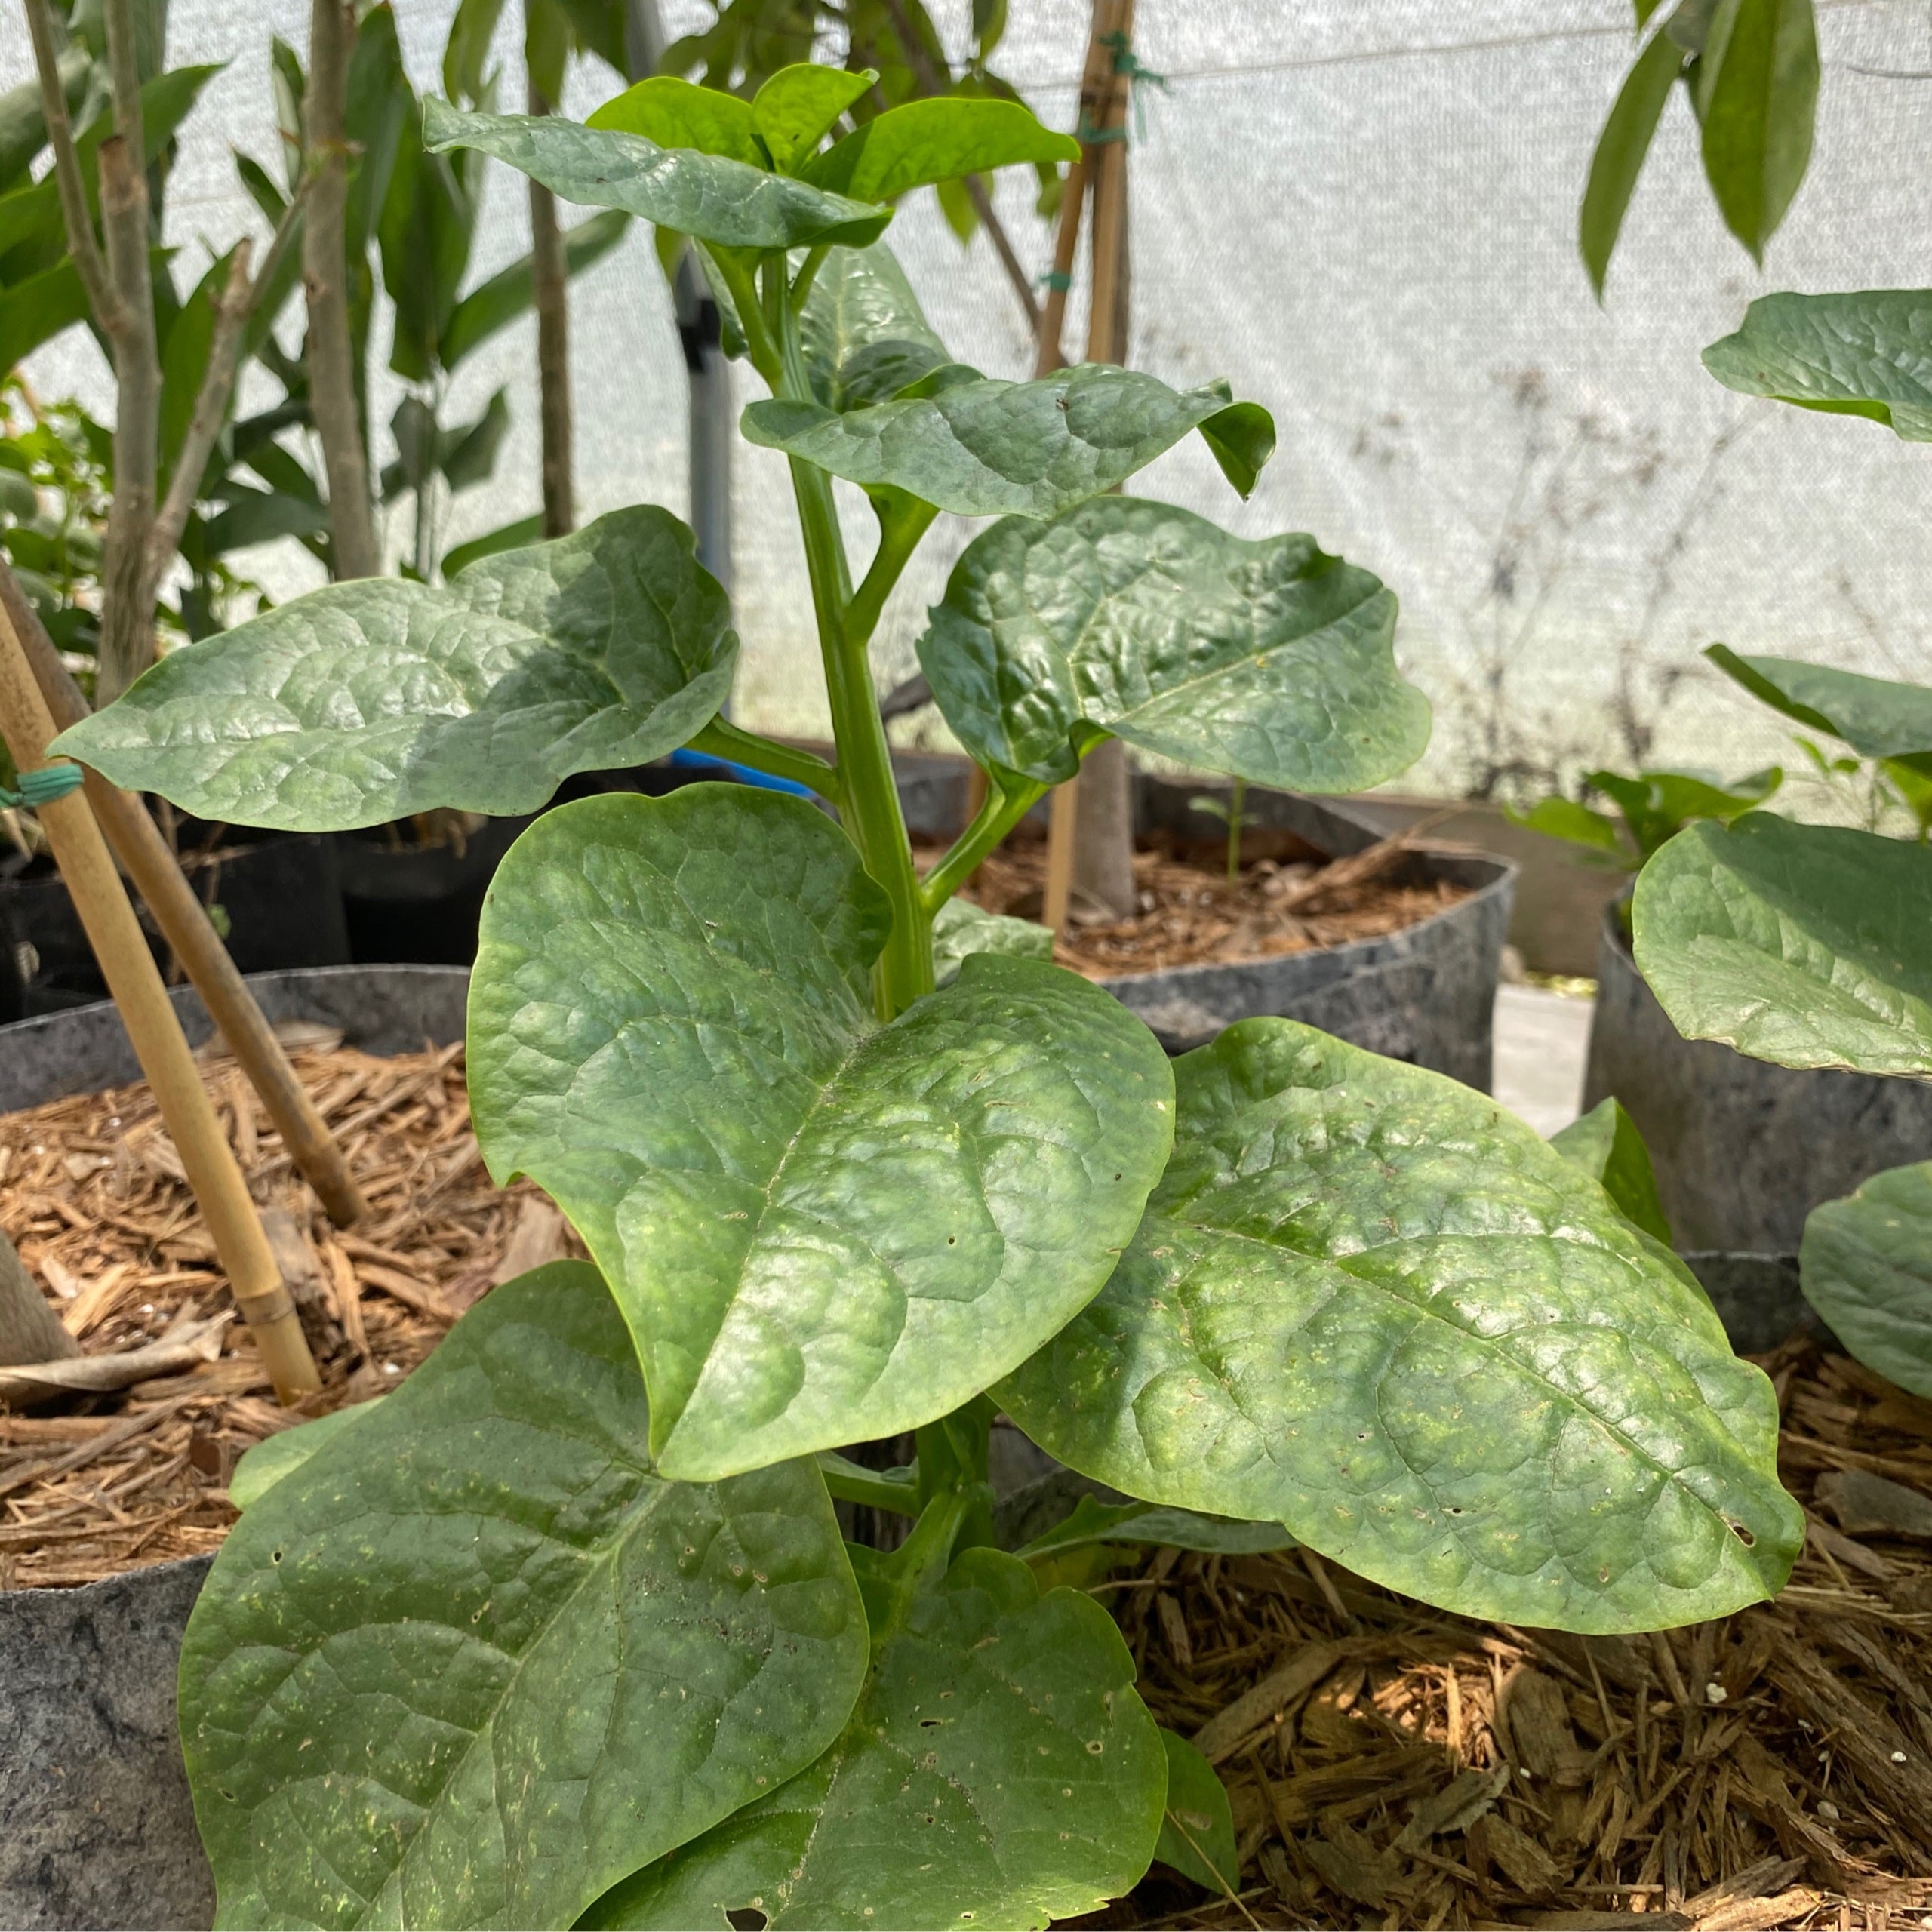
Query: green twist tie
point(42, 787)
point(1126, 62)
point(1058, 283)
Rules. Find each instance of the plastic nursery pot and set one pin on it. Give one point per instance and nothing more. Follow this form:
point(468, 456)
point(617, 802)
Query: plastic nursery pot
point(1743, 1150)
point(96, 1826)
point(281, 894)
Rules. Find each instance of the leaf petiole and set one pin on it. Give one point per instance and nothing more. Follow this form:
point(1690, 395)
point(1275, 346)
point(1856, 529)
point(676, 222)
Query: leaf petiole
point(894, 1490)
point(996, 818)
point(722, 739)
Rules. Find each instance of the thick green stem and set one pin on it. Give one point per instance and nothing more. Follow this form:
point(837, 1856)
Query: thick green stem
point(722, 739)
point(905, 968)
point(994, 819)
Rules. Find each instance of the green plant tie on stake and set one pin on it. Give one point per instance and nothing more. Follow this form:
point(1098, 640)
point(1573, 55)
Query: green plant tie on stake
point(1128, 62)
point(42, 787)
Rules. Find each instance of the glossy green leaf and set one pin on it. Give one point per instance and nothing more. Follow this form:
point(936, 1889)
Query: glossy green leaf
point(1877, 717)
point(960, 927)
point(1865, 1264)
point(1000, 1771)
point(935, 139)
point(821, 1230)
point(1606, 1145)
point(1241, 439)
point(1657, 805)
point(511, 293)
point(711, 196)
point(1803, 944)
point(674, 114)
point(1271, 659)
point(796, 108)
point(1094, 1521)
point(863, 333)
point(1371, 1304)
point(473, 1661)
point(278, 1456)
point(1864, 354)
point(1198, 1826)
point(990, 448)
point(1758, 80)
point(367, 701)
point(507, 536)
point(1621, 150)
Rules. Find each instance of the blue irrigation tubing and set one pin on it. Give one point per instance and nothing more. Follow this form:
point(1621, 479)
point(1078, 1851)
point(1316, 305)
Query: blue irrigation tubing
point(724, 767)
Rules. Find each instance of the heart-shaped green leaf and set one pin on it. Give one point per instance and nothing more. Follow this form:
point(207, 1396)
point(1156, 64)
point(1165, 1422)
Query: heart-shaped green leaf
point(962, 927)
point(990, 448)
point(1803, 944)
point(1268, 660)
point(1000, 1771)
point(796, 108)
point(864, 334)
point(937, 139)
point(820, 1229)
point(1865, 1264)
point(366, 701)
point(473, 1661)
point(1197, 1827)
point(1867, 354)
point(673, 113)
point(1369, 1303)
point(708, 195)
point(1606, 1145)
point(1877, 717)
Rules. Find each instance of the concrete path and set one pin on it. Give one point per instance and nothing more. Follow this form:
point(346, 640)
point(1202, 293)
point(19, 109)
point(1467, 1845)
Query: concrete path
point(1542, 1040)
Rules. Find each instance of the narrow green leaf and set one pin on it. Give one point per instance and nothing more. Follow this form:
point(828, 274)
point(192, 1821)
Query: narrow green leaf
point(863, 333)
point(1865, 1264)
point(262, 1467)
point(467, 453)
point(961, 928)
point(1803, 944)
point(797, 108)
point(1000, 1771)
point(1271, 660)
point(1197, 1825)
point(1606, 1145)
point(38, 308)
point(991, 448)
point(1877, 717)
point(248, 517)
point(1760, 70)
point(821, 1230)
point(1620, 152)
point(367, 701)
point(1657, 805)
point(1093, 1522)
point(710, 196)
point(509, 537)
point(425, 1684)
point(1567, 820)
point(1370, 1303)
point(1866, 354)
point(674, 114)
point(510, 294)
point(934, 139)
point(472, 29)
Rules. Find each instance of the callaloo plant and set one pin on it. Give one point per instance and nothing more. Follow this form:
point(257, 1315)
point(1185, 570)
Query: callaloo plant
point(564, 1626)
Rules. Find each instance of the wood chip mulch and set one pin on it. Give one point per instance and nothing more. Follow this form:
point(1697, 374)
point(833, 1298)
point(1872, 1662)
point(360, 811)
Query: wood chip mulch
point(1391, 1766)
point(93, 1195)
point(1191, 916)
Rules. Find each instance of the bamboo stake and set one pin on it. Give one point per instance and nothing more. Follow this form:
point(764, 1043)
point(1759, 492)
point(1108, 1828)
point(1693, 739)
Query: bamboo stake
point(159, 1045)
point(1099, 180)
point(184, 924)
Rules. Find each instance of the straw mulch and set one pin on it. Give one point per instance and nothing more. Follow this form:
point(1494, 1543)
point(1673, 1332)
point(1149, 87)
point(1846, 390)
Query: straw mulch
point(1392, 1768)
point(1191, 916)
point(93, 1195)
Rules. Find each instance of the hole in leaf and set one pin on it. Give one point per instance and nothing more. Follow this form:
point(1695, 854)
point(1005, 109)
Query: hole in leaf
point(1742, 1532)
point(952, 1241)
point(748, 1919)
point(274, 1556)
point(930, 1724)
point(1455, 1509)
point(1095, 1747)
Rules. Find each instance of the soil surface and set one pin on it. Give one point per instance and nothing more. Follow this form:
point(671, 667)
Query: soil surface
point(1192, 914)
point(1389, 1765)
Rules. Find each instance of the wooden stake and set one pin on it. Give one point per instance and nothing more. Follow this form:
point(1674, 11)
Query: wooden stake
point(184, 924)
point(158, 1042)
point(1099, 179)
